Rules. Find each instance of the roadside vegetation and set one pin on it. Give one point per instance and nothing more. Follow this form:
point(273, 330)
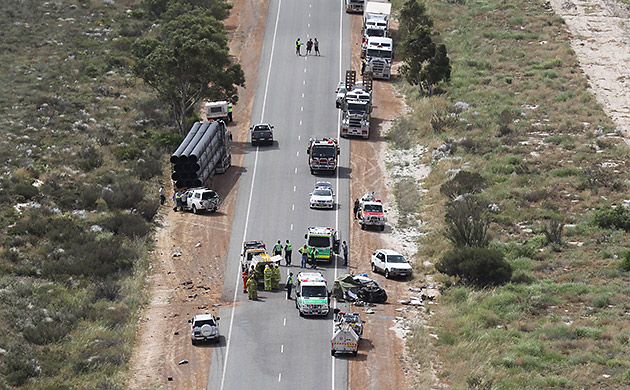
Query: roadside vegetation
point(535, 281)
point(83, 145)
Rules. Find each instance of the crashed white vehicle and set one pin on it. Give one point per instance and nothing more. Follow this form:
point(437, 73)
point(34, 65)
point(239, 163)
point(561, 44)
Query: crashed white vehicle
point(204, 327)
point(323, 196)
point(340, 94)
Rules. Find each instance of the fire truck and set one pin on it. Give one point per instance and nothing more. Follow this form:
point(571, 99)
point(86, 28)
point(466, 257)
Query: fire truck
point(371, 212)
point(323, 154)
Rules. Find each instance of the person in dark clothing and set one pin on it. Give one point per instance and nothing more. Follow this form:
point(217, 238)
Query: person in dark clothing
point(288, 250)
point(289, 284)
point(316, 44)
point(309, 46)
point(344, 247)
point(314, 253)
point(356, 208)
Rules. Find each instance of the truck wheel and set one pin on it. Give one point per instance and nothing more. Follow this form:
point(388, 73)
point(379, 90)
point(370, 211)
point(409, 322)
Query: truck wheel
point(382, 227)
point(354, 353)
point(362, 225)
point(387, 274)
point(332, 352)
point(194, 209)
point(301, 314)
point(194, 342)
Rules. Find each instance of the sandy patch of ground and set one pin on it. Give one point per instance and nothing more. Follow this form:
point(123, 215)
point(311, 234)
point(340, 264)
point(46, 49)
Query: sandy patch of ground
point(600, 35)
point(191, 283)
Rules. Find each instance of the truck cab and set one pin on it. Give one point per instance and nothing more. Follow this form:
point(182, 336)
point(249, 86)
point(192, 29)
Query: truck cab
point(325, 240)
point(322, 154)
point(354, 5)
point(311, 294)
point(252, 248)
point(379, 53)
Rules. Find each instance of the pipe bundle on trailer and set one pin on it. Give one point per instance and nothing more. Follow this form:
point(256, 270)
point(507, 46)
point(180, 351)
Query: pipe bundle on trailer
point(195, 160)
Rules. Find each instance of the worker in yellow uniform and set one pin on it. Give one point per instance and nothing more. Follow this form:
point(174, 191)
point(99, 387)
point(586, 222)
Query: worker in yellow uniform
point(268, 274)
point(275, 277)
point(252, 288)
point(229, 112)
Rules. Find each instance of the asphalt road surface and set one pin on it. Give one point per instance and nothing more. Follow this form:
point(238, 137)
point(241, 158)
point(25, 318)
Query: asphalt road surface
point(266, 344)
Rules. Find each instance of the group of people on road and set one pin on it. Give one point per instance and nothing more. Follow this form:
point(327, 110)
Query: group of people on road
point(288, 250)
point(180, 199)
point(310, 45)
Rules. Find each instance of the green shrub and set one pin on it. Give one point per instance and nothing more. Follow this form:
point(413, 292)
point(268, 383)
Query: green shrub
point(625, 263)
point(401, 135)
point(88, 195)
point(89, 158)
point(407, 195)
point(587, 332)
point(601, 301)
point(467, 223)
point(130, 225)
point(480, 267)
point(616, 218)
point(18, 365)
point(24, 191)
point(464, 182)
point(127, 152)
point(148, 208)
point(124, 195)
point(522, 277)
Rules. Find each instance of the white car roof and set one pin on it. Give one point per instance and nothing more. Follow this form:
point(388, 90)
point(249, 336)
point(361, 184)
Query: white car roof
point(202, 317)
point(389, 252)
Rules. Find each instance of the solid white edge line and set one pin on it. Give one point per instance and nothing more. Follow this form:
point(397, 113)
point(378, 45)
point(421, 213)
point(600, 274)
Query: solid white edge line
point(249, 202)
point(337, 175)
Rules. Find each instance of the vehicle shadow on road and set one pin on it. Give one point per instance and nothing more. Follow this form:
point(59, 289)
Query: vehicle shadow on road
point(344, 172)
point(210, 344)
point(365, 346)
point(224, 183)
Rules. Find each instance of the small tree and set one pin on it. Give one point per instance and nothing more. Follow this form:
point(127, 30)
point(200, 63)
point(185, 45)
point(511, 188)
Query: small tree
point(466, 223)
point(436, 70)
point(463, 183)
point(188, 62)
point(480, 267)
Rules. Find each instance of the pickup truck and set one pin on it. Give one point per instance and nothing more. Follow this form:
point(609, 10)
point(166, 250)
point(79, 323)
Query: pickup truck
point(262, 132)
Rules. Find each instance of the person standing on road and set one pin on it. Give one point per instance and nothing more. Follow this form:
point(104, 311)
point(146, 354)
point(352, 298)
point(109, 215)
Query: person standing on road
point(304, 251)
point(277, 249)
point(178, 201)
point(309, 46)
point(252, 288)
point(316, 44)
point(267, 276)
point(298, 44)
point(314, 253)
point(344, 247)
point(289, 284)
point(275, 277)
point(162, 195)
point(356, 207)
point(245, 277)
point(288, 249)
point(184, 200)
point(229, 112)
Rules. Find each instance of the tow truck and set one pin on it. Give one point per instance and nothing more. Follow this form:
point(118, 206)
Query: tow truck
point(311, 294)
point(322, 154)
point(325, 240)
point(250, 249)
point(356, 106)
point(371, 212)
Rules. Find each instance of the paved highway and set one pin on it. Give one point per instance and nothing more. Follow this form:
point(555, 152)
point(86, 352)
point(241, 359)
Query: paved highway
point(267, 344)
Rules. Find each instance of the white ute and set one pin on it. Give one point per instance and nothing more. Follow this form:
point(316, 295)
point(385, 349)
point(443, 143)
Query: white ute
point(391, 263)
point(204, 327)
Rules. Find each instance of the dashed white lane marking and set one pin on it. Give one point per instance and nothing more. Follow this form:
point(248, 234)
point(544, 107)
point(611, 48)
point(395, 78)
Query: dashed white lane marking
point(302, 108)
point(280, 377)
point(300, 125)
point(303, 82)
point(302, 96)
point(282, 348)
point(292, 209)
point(299, 136)
point(295, 170)
point(309, 25)
point(304, 68)
point(294, 188)
point(285, 322)
point(291, 227)
point(297, 154)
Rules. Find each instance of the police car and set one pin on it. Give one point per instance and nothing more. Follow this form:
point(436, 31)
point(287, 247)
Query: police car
point(322, 196)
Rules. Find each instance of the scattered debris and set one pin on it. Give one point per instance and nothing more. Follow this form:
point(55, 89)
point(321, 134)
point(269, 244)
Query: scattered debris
point(176, 333)
point(170, 378)
point(177, 254)
point(368, 311)
point(198, 245)
point(185, 361)
point(187, 283)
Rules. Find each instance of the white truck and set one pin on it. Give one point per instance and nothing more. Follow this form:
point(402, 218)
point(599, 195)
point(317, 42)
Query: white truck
point(217, 110)
point(378, 53)
point(347, 333)
point(376, 17)
point(356, 107)
point(311, 294)
point(354, 5)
